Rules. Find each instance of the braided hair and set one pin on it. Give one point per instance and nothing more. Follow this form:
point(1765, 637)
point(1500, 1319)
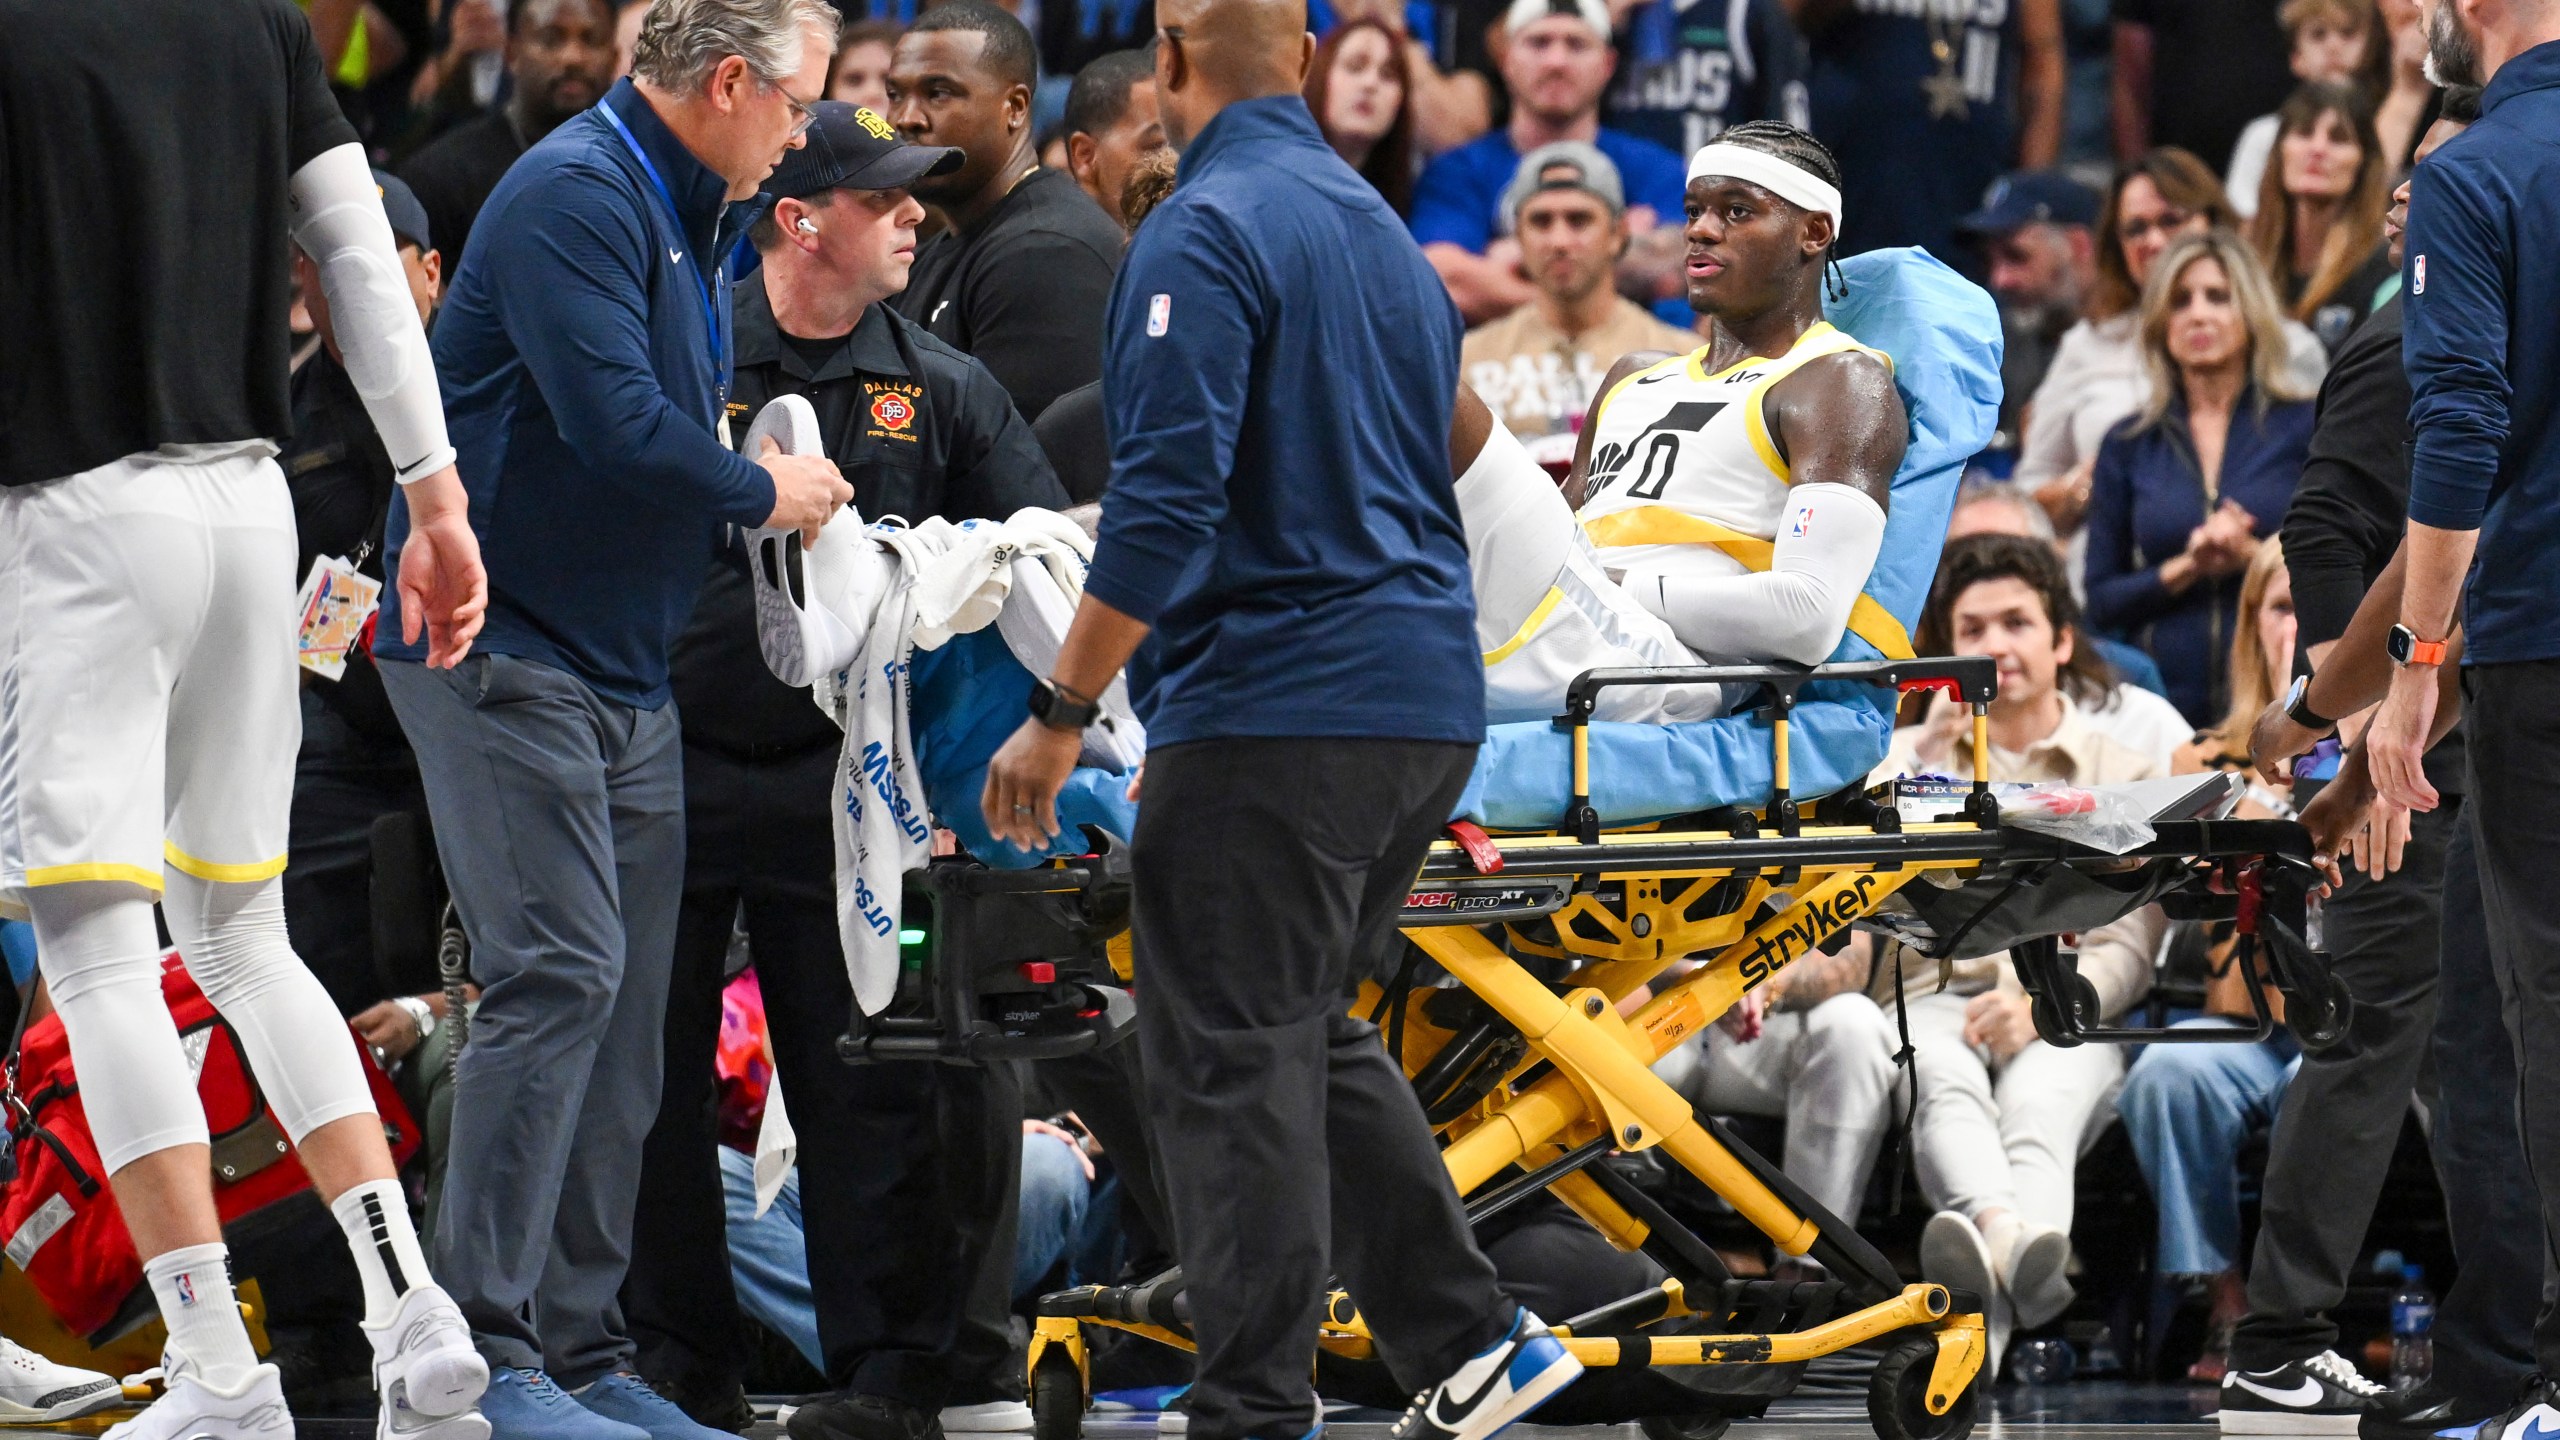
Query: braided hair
point(1800, 149)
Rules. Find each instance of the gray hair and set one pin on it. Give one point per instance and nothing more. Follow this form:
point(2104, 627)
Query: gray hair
point(1979, 489)
point(681, 41)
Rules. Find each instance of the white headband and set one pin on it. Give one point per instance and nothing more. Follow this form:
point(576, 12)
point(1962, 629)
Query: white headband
point(1797, 187)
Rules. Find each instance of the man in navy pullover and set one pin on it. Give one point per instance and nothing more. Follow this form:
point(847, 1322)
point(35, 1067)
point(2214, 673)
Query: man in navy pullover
point(584, 362)
point(1282, 532)
point(2484, 500)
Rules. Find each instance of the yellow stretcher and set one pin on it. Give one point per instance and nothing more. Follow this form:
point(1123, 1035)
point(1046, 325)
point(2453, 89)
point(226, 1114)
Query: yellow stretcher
point(1541, 1079)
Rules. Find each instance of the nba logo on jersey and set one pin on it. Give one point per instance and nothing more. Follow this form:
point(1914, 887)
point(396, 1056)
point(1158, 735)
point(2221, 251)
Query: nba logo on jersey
point(2418, 276)
point(1798, 527)
point(1159, 314)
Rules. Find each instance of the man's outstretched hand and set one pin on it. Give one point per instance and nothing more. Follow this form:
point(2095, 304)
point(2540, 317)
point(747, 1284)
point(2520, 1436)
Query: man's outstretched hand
point(1020, 803)
point(443, 589)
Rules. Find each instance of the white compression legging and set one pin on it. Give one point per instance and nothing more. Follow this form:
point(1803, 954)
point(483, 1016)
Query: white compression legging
point(100, 958)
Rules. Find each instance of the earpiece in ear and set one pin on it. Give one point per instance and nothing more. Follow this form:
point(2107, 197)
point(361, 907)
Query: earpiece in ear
point(805, 226)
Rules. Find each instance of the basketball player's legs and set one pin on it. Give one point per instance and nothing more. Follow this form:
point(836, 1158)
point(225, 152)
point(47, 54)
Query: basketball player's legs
point(106, 574)
point(234, 727)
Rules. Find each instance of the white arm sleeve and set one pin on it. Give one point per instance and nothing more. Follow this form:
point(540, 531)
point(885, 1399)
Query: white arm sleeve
point(338, 221)
point(1828, 538)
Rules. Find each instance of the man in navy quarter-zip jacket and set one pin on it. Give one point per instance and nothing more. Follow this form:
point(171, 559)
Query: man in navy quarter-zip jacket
point(1282, 532)
point(584, 360)
point(2479, 294)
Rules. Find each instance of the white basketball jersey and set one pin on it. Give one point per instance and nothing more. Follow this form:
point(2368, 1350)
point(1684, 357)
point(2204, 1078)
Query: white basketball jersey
point(1673, 438)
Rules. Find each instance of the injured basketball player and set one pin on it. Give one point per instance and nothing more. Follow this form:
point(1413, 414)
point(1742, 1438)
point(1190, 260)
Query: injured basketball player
point(1732, 500)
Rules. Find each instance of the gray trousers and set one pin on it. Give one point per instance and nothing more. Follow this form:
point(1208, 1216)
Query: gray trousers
point(2341, 1115)
point(559, 817)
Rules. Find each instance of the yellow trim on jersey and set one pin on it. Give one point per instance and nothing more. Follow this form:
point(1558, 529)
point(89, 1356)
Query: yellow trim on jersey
point(185, 863)
point(1598, 415)
point(1528, 628)
point(1662, 525)
point(94, 870)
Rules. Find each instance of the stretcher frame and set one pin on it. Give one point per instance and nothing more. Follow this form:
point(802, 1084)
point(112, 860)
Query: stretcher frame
point(1549, 1078)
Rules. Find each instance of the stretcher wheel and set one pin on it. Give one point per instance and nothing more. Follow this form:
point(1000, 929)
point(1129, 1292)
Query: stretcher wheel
point(1057, 1398)
point(1898, 1396)
point(1685, 1427)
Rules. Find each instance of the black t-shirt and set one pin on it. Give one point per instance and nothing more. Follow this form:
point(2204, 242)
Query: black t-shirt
point(2349, 304)
point(1072, 433)
point(2352, 503)
point(453, 177)
point(2216, 65)
point(145, 150)
point(341, 480)
point(1025, 291)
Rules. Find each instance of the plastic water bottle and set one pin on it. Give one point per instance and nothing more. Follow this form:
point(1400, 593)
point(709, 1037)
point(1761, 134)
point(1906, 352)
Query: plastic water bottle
point(2413, 1321)
point(2042, 1360)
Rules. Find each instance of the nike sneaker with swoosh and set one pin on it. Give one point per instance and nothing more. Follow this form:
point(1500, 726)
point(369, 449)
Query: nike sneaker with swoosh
point(1495, 1387)
point(2320, 1396)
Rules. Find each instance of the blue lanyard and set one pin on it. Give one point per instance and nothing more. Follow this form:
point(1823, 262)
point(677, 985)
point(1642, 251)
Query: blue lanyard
point(710, 307)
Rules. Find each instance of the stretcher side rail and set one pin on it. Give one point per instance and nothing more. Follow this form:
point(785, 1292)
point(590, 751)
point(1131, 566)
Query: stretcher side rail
point(1972, 679)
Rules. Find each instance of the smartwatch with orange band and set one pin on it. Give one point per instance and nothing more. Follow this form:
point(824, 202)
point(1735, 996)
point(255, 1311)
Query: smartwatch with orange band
point(2406, 648)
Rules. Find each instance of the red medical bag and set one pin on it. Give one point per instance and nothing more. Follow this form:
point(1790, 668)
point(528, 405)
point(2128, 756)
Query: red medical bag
point(58, 1220)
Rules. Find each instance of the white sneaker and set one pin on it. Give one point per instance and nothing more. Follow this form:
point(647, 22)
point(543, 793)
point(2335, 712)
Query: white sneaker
point(1954, 1254)
point(34, 1390)
point(190, 1409)
point(427, 1371)
point(2034, 1271)
point(995, 1417)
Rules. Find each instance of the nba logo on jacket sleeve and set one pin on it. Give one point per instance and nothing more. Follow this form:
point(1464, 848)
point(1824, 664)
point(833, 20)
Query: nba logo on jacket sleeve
point(1159, 313)
point(2417, 277)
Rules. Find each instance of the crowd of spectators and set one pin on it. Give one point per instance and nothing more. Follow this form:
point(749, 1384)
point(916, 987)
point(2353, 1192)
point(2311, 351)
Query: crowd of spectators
point(2179, 204)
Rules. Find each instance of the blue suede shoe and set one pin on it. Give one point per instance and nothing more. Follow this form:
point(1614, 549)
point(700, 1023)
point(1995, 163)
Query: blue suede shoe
point(526, 1405)
point(625, 1397)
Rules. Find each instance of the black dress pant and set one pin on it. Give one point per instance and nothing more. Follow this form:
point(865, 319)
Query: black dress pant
point(908, 1171)
point(2511, 713)
point(1269, 875)
point(2484, 1324)
point(2342, 1114)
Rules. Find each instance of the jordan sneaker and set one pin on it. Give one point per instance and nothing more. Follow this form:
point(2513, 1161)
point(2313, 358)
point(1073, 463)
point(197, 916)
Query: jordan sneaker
point(190, 1409)
point(2320, 1396)
point(1501, 1384)
point(428, 1373)
point(2535, 1415)
point(35, 1391)
point(2429, 1409)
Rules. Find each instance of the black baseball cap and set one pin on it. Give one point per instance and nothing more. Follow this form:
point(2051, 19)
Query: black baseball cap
point(851, 148)
point(400, 206)
point(2031, 197)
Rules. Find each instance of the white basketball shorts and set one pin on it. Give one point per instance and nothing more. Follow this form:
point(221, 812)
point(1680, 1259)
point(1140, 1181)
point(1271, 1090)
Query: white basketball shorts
point(149, 714)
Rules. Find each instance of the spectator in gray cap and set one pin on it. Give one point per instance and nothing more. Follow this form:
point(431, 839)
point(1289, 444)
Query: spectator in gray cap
point(1539, 366)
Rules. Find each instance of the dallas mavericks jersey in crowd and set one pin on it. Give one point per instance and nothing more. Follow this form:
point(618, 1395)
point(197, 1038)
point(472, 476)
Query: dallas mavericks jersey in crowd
point(1918, 98)
point(1688, 69)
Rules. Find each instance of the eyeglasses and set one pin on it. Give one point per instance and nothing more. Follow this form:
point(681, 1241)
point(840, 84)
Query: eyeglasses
point(2170, 222)
point(802, 117)
point(1169, 32)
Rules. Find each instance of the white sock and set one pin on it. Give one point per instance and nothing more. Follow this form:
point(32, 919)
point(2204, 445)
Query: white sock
point(193, 1286)
point(375, 1216)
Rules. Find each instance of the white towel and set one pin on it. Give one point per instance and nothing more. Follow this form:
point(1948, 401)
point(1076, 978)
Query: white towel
point(777, 1147)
